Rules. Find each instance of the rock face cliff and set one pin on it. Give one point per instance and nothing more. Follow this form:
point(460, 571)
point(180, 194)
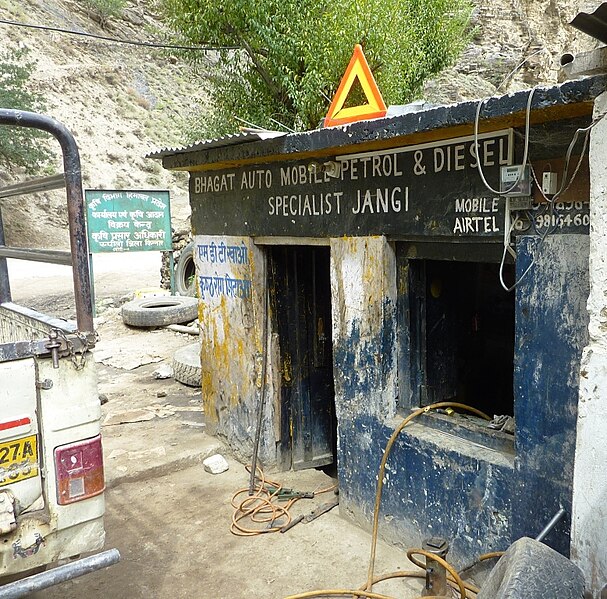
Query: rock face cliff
point(516, 44)
point(123, 101)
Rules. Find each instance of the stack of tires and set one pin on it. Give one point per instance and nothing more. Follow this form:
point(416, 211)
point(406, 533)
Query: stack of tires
point(153, 312)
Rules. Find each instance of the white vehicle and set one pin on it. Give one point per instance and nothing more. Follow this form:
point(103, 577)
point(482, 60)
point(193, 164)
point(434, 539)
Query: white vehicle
point(51, 461)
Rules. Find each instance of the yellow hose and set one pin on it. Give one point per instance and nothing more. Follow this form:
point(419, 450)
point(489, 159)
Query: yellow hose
point(442, 562)
point(382, 467)
point(366, 590)
point(417, 574)
point(492, 555)
point(338, 593)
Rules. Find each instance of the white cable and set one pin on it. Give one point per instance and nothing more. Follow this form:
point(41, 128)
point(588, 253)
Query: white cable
point(525, 153)
point(503, 261)
point(565, 185)
point(518, 66)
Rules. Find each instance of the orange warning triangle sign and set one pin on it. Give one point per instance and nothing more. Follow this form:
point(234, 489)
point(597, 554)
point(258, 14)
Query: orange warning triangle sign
point(376, 108)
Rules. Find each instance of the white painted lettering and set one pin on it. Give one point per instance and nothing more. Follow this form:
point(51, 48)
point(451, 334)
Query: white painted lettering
point(458, 164)
point(386, 200)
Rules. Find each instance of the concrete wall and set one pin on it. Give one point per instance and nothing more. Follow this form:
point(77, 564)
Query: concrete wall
point(436, 483)
point(363, 288)
point(589, 526)
point(232, 283)
point(551, 331)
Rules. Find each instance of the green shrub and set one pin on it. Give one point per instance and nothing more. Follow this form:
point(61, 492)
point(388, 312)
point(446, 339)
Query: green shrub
point(20, 146)
point(295, 52)
point(105, 9)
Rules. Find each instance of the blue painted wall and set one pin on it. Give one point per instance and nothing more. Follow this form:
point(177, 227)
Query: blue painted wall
point(438, 484)
point(551, 331)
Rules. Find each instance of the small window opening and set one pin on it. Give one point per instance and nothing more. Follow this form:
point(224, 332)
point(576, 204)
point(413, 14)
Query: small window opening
point(462, 334)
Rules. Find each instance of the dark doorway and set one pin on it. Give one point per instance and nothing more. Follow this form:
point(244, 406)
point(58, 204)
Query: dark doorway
point(462, 333)
point(300, 302)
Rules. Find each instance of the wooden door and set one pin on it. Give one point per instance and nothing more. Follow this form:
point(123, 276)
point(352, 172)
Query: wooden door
point(301, 314)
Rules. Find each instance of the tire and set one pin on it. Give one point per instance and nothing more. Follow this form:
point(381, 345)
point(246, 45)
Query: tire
point(185, 272)
point(532, 570)
point(160, 311)
point(186, 365)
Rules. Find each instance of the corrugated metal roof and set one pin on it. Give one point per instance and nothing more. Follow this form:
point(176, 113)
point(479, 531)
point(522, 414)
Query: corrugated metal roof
point(593, 24)
point(234, 149)
point(220, 142)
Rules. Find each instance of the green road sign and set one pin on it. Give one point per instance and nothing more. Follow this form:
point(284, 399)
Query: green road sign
point(128, 221)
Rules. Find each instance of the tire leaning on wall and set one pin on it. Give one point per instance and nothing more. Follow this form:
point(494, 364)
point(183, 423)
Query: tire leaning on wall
point(185, 271)
point(186, 365)
point(160, 311)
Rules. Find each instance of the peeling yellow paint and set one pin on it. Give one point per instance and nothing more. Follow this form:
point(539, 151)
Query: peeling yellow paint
point(287, 368)
point(208, 396)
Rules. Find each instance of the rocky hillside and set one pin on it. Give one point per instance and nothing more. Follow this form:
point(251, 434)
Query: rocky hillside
point(516, 44)
point(122, 101)
point(119, 101)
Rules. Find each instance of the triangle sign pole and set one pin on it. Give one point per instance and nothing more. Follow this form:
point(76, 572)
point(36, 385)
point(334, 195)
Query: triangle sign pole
point(375, 108)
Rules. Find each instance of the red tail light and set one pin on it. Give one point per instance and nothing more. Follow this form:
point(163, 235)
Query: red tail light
point(79, 468)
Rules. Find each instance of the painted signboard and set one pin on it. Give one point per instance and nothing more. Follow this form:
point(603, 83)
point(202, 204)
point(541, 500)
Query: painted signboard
point(224, 268)
point(428, 189)
point(128, 221)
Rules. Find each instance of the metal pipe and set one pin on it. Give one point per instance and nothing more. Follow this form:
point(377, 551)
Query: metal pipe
point(5, 288)
point(262, 390)
point(50, 256)
point(44, 580)
point(551, 524)
point(33, 186)
point(75, 205)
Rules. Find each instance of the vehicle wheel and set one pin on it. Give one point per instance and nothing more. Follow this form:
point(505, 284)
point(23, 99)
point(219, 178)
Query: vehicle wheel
point(160, 311)
point(185, 271)
point(186, 365)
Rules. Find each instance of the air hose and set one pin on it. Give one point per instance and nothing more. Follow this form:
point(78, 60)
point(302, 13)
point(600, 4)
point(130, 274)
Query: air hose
point(366, 590)
point(262, 509)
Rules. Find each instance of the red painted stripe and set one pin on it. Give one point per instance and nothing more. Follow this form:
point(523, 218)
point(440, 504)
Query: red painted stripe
point(14, 423)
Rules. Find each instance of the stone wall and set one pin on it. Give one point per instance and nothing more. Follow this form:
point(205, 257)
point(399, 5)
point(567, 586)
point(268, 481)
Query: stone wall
point(516, 44)
point(589, 519)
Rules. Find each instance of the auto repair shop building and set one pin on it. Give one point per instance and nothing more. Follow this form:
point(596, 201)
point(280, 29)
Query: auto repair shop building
point(359, 272)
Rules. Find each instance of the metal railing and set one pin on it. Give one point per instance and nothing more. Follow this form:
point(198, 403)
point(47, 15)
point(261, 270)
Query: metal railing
point(71, 179)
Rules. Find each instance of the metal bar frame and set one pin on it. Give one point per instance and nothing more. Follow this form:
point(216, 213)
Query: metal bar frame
point(5, 288)
point(50, 256)
point(33, 186)
point(75, 206)
point(44, 580)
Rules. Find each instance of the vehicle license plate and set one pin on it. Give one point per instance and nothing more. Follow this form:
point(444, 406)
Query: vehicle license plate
point(18, 460)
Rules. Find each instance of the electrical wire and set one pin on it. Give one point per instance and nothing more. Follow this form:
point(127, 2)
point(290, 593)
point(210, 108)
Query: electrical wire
point(261, 509)
point(503, 261)
point(525, 152)
point(518, 66)
point(565, 184)
point(204, 48)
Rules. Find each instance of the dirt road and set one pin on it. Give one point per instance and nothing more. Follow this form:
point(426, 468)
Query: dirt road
point(167, 516)
point(173, 534)
point(49, 287)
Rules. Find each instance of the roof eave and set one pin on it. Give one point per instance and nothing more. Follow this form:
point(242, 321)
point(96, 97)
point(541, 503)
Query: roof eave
point(570, 99)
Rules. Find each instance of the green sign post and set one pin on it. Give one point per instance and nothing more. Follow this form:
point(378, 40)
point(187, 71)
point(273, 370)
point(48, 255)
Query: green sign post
point(128, 221)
